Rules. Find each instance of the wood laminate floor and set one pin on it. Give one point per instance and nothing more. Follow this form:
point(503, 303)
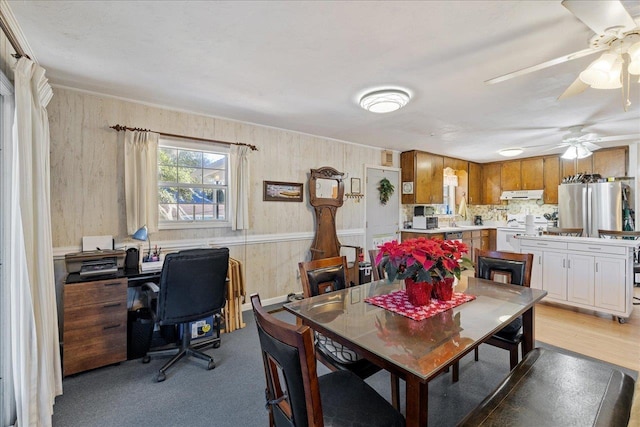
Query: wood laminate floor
point(587, 332)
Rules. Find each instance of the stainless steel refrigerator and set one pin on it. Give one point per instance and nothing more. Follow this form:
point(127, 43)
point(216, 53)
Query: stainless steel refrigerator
point(591, 207)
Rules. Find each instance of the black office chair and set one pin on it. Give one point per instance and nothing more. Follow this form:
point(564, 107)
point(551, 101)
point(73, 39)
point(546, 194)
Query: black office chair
point(193, 286)
point(511, 268)
point(296, 396)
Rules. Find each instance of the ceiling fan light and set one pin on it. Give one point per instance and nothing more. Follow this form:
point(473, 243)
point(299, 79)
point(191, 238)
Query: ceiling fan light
point(634, 54)
point(614, 81)
point(510, 152)
point(582, 151)
point(597, 73)
point(571, 153)
point(384, 101)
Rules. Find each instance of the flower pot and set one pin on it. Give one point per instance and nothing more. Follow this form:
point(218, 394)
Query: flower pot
point(443, 290)
point(418, 293)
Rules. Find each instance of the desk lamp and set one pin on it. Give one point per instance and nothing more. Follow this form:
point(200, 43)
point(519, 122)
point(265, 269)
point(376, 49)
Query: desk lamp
point(143, 234)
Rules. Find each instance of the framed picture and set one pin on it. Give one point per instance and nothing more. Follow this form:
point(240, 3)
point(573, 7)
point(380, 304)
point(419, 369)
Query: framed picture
point(274, 191)
point(355, 185)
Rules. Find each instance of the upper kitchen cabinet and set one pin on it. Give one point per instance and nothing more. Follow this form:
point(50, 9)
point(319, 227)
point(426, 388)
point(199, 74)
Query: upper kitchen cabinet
point(475, 184)
point(422, 177)
point(551, 179)
point(491, 188)
point(606, 162)
point(611, 162)
point(461, 169)
point(510, 175)
point(532, 173)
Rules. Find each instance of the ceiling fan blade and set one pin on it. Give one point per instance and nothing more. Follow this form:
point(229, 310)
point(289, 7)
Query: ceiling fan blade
point(578, 86)
point(620, 138)
point(550, 63)
point(601, 16)
point(591, 146)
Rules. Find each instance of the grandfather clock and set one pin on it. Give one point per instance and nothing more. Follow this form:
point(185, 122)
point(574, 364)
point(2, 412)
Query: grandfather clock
point(326, 195)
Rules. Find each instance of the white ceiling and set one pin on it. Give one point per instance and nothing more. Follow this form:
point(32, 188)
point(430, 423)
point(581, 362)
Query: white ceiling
point(303, 65)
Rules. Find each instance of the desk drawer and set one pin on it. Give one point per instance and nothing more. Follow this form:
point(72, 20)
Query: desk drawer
point(93, 347)
point(103, 314)
point(86, 293)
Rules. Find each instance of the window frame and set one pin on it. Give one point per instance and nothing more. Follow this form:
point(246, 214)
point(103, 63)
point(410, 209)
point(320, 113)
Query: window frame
point(205, 147)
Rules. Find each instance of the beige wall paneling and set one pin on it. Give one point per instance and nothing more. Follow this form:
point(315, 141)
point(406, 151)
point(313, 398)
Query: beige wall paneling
point(87, 182)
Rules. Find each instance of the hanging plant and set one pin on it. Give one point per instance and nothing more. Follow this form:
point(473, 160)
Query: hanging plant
point(386, 190)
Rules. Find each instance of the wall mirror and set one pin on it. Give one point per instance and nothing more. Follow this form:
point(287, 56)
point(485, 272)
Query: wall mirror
point(326, 188)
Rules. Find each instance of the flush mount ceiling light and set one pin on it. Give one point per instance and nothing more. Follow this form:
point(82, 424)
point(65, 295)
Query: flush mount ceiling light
point(510, 152)
point(384, 101)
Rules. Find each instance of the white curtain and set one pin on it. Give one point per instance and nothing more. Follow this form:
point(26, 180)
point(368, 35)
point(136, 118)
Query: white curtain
point(141, 180)
point(35, 352)
point(239, 163)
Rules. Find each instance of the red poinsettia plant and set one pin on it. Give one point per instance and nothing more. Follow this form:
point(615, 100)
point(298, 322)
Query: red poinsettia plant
point(423, 259)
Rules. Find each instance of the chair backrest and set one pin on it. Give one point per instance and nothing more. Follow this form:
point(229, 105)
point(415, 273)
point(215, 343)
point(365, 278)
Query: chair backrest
point(377, 271)
point(193, 285)
point(289, 359)
point(614, 234)
point(323, 275)
point(505, 267)
point(575, 232)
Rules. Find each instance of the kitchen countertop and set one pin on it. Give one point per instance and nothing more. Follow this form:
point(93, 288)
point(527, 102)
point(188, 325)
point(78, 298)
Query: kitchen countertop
point(460, 227)
point(571, 239)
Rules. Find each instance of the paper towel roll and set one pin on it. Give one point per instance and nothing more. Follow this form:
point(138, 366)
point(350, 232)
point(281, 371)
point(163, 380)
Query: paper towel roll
point(528, 219)
point(529, 228)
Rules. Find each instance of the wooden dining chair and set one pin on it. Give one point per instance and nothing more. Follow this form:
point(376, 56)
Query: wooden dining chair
point(575, 232)
point(510, 268)
point(630, 235)
point(296, 396)
point(377, 270)
point(328, 275)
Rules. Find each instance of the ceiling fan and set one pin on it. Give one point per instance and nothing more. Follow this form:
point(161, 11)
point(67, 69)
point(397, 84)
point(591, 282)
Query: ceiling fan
point(616, 33)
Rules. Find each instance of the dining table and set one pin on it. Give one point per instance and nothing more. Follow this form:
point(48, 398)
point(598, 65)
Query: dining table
point(418, 350)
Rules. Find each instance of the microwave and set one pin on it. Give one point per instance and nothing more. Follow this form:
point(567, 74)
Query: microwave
point(422, 222)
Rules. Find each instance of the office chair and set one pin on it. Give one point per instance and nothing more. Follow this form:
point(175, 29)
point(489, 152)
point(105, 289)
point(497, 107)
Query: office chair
point(328, 275)
point(193, 286)
point(505, 267)
point(631, 235)
point(296, 396)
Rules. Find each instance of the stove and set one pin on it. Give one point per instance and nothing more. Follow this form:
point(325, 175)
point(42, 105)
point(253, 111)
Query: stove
point(515, 226)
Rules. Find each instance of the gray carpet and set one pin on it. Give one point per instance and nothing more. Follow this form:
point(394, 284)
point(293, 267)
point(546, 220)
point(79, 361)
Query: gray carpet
point(232, 394)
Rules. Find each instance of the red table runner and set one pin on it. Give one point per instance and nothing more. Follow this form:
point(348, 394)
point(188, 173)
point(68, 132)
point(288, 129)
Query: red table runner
point(399, 303)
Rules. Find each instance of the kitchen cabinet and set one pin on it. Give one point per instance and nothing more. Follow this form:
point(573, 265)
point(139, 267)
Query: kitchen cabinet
point(551, 179)
point(491, 239)
point(589, 273)
point(461, 169)
point(510, 175)
point(404, 235)
point(532, 173)
point(491, 188)
point(95, 324)
point(611, 162)
point(424, 171)
point(475, 184)
point(476, 239)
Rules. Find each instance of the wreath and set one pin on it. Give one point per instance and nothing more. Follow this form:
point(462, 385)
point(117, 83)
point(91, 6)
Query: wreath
point(385, 187)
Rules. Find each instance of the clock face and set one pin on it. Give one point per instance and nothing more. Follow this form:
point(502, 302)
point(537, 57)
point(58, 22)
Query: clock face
point(407, 188)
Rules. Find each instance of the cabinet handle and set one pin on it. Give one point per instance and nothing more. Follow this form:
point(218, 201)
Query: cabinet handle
point(596, 267)
point(117, 304)
point(595, 249)
point(568, 263)
point(564, 265)
point(541, 244)
point(111, 327)
point(539, 260)
point(112, 284)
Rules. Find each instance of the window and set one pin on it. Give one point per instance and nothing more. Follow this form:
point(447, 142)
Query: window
point(193, 184)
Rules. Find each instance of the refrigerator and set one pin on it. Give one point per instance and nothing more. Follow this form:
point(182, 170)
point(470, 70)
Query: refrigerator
point(591, 206)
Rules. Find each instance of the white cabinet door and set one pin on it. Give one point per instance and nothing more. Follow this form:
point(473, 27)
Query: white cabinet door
point(554, 274)
point(536, 268)
point(580, 275)
point(609, 279)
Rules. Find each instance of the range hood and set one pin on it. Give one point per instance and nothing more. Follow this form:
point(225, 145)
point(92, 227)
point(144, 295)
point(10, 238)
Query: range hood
point(521, 195)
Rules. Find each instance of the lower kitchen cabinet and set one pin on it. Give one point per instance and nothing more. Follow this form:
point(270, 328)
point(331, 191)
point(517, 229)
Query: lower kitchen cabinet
point(590, 273)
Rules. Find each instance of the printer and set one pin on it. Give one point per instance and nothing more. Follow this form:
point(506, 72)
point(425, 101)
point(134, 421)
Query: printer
point(94, 263)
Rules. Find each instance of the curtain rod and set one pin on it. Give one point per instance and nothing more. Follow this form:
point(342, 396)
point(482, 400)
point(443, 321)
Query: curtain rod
point(121, 127)
point(12, 39)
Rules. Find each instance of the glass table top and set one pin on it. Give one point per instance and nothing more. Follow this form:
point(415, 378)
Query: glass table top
point(424, 347)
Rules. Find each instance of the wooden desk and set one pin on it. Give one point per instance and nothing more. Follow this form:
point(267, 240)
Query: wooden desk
point(418, 351)
point(95, 319)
